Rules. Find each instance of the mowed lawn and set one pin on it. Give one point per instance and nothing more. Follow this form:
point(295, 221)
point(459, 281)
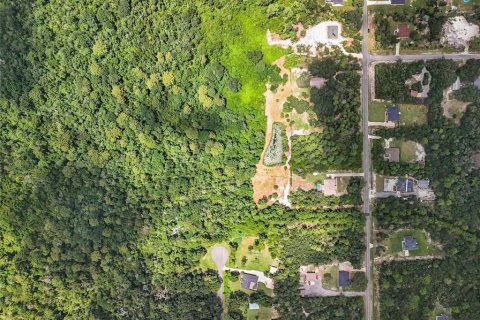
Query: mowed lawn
point(464, 6)
point(260, 260)
point(424, 247)
point(376, 111)
point(413, 114)
point(407, 150)
point(261, 314)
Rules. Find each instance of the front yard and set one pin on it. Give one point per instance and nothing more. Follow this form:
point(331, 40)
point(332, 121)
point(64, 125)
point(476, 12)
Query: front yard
point(376, 111)
point(424, 246)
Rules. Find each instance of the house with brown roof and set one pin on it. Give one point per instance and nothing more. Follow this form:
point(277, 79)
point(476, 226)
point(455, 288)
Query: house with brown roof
point(329, 187)
point(402, 31)
point(392, 154)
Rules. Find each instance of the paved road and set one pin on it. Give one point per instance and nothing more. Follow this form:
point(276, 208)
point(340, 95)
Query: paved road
point(366, 162)
point(411, 57)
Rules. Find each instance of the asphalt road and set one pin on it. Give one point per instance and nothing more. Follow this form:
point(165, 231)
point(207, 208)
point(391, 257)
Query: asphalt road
point(411, 57)
point(366, 163)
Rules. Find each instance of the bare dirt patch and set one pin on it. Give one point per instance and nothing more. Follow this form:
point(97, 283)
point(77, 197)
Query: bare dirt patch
point(301, 183)
point(453, 108)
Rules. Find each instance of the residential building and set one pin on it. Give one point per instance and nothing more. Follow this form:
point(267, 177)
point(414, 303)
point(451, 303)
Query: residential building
point(311, 278)
point(441, 317)
point(392, 154)
point(249, 282)
point(343, 278)
point(393, 113)
point(335, 2)
point(397, 2)
point(409, 243)
point(329, 187)
point(402, 31)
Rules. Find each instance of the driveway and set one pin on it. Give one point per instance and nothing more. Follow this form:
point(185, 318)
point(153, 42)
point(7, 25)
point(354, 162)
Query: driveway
point(220, 257)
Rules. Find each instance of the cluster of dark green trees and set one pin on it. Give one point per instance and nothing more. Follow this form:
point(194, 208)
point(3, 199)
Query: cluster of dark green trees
point(412, 289)
point(338, 146)
point(390, 80)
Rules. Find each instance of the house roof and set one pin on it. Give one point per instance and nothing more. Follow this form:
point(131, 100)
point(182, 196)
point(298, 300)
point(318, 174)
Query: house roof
point(336, 1)
point(393, 113)
point(404, 185)
point(402, 31)
point(441, 317)
point(397, 1)
point(311, 277)
point(249, 281)
point(409, 243)
point(343, 278)
point(329, 187)
point(423, 184)
point(332, 32)
point(414, 93)
point(393, 154)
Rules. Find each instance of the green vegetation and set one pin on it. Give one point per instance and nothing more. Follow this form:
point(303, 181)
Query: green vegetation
point(330, 278)
point(358, 281)
point(261, 314)
point(376, 111)
point(424, 247)
point(413, 114)
point(390, 80)
point(408, 151)
point(253, 254)
point(274, 154)
point(384, 167)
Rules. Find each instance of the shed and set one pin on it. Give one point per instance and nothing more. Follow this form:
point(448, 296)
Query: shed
point(393, 113)
point(317, 82)
point(249, 282)
point(332, 32)
point(329, 187)
point(343, 278)
point(392, 154)
point(409, 243)
point(402, 31)
point(397, 2)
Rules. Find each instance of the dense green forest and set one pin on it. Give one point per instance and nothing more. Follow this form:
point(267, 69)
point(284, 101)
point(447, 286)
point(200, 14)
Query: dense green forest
point(129, 132)
point(413, 289)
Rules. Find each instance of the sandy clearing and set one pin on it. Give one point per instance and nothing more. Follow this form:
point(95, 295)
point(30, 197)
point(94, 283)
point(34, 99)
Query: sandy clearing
point(457, 31)
point(420, 153)
point(453, 107)
point(301, 183)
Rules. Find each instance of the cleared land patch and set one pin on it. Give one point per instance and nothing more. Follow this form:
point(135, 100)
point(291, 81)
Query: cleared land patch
point(413, 114)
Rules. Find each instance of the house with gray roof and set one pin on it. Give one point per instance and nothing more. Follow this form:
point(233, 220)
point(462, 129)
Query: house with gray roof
point(249, 282)
point(409, 243)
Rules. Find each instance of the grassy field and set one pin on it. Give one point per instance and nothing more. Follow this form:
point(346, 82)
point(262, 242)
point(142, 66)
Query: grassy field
point(464, 6)
point(256, 259)
point(413, 114)
point(376, 111)
point(424, 247)
point(262, 314)
point(331, 283)
point(408, 151)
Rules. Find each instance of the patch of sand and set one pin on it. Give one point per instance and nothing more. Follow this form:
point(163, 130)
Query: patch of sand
point(457, 31)
point(301, 183)
point(420, 153)
point(319, 34)
point(453, 108)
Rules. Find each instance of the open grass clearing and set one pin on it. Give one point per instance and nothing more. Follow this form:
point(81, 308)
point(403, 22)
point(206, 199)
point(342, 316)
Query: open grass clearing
point(342, 183)
point(464, 6)
point(262, 314)
point(330, 282)
point(256, 257)
point(206, 262)
point(408, 151)
point(376, 111)
point(413, 114)
point(424, 246)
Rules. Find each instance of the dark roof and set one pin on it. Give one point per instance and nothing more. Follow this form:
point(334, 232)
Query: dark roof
point(409, 243)
point(397, 1)
point(343, 278)
point(332, 32)
point(404, 185)
point(393, 154)
point(403, 30)
point(337, 1)
point(393, 113)
point(441, 317)
point(249, 281)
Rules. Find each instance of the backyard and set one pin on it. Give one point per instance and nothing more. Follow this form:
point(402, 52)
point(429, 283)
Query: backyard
point(261, 314)
point(376, 112)
point(252, 257)
point(408, 150)
point(424, 246)
point(330, 282)
point(413, 114)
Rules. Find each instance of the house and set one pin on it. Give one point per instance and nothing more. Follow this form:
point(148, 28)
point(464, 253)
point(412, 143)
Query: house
point(397, 2)
point(273, 269)
point(332, 32)
point(393, 114)
point(335, 2)
point(414, 93)
point(423, 184)
point(311, 278)
point(409, 243)
point(249, 282)
point(253, 306)
point(392, 154)
point(441, 317)
point(402, 31)
point(329, 187)
point(402, 185)
point(343, 278)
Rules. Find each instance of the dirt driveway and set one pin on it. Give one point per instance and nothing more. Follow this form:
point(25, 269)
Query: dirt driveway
point(220, 257)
